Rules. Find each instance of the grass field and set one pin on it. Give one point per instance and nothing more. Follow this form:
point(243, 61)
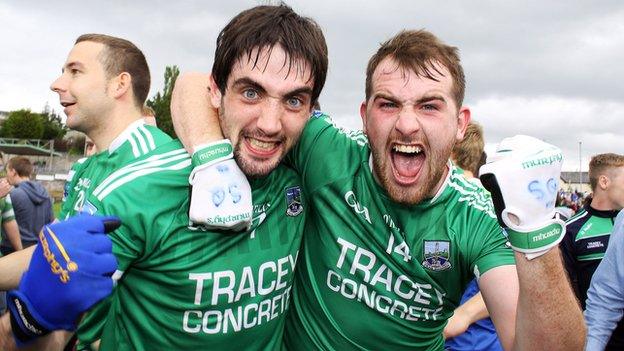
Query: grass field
point(56, 208)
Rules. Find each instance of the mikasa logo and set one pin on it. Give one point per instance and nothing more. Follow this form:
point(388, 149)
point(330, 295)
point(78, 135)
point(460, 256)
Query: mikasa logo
point(356, 206)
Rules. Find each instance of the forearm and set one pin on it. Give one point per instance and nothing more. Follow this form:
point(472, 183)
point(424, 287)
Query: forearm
point(13, 234)
point(13, 266)
point(549, 316)
point(191, 111)
point(472, 310)
point(55, 341)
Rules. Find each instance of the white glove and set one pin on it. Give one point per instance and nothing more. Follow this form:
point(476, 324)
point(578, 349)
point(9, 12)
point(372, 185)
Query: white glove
point(220, 192)
point(523, 177)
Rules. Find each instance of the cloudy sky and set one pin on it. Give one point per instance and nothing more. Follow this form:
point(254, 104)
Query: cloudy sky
point(551, 69)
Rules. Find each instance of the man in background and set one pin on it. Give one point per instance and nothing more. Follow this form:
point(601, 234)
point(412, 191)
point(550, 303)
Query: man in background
point(588, 232)
point(31, 201)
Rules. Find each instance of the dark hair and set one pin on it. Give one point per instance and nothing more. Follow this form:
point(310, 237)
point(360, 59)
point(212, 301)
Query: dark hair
point(21, 165)
point(421, 52)
point(264, 27)
point(120, 55)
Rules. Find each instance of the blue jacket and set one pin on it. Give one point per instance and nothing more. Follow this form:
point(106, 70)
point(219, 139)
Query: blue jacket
point(605, 297)
point(33, 209)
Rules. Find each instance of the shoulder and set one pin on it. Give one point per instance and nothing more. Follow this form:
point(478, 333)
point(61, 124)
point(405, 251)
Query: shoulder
point(322, 123)
point(17, 194)
point(165, 168)
point(468, 196)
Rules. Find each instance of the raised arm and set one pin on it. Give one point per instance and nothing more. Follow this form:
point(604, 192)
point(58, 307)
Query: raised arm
point(221, 195)
point(523, 179)
point(195, 120)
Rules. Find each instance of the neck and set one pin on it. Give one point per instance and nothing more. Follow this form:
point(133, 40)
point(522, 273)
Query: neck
point(601, 202)
point(21, 179)
point(468, 174)
point(113, 124)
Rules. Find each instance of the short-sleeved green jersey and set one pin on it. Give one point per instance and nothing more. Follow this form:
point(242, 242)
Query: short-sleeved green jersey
point(374, 274)
point(7, 213)
point(186, 288)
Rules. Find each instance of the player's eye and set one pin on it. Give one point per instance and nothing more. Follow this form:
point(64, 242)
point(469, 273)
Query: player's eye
point(385, 104)
point(294, 102)
point(250, 94)
point(429, 107)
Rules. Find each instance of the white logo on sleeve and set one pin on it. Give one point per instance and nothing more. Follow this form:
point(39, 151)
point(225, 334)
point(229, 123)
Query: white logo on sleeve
point(356, 206)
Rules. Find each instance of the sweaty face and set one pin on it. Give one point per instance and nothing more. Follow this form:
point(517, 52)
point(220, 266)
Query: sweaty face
point(264, 109)
point(82, 88)
point(412, 123)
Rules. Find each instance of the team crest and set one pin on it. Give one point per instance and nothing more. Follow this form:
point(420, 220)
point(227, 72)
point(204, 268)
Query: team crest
point(437, 253)
point(317, 114)
point(293, 201)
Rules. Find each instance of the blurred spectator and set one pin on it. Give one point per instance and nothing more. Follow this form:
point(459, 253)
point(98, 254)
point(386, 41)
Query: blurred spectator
point(470, 328)
point(31, 201)
point(588, 232)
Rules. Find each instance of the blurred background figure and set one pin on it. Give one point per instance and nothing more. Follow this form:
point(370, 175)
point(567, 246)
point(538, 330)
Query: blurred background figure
point(589, 231)
point(31, 202)
point(470, 327)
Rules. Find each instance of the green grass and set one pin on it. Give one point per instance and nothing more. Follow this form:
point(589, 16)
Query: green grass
point(56, 208)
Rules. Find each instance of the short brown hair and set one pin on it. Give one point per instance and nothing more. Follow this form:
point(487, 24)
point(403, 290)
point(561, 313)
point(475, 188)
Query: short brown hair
point(264, 27)
point(468, 152)
point(120, 55)
point(147, 111)
point(421, 52)
point(21, 165)
point(602, 163)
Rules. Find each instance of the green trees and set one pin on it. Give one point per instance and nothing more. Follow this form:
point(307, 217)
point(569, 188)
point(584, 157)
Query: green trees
point(24, 124)
point(161, 101)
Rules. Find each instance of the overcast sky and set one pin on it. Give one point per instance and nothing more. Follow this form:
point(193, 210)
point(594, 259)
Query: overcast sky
point(550, 69)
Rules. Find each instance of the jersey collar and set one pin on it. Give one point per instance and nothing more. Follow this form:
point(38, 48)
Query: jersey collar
point(125, 135)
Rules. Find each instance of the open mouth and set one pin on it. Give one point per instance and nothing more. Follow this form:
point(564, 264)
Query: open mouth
point(262, 148)
point(407, 162)
point(67, 106)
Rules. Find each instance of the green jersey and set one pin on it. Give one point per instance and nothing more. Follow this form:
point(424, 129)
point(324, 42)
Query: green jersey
point(186, 288)
point(7, 213)
point(374, 274)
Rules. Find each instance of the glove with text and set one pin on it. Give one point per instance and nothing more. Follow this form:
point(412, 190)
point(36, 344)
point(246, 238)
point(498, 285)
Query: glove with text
point(523, 178)
point(70, 270)
point(220, 192)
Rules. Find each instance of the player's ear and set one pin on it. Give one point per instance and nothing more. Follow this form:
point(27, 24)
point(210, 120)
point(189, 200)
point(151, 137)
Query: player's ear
point(363, 115)
point(463, 119)
point(120, 85)
point(213, 92)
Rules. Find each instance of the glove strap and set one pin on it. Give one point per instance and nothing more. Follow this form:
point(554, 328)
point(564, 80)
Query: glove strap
point(206, 155)
point(26, 323)
point(531, 241)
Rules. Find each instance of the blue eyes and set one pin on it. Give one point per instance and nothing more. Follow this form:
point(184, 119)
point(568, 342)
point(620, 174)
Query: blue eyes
point(250, 94)
point(294, 102)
